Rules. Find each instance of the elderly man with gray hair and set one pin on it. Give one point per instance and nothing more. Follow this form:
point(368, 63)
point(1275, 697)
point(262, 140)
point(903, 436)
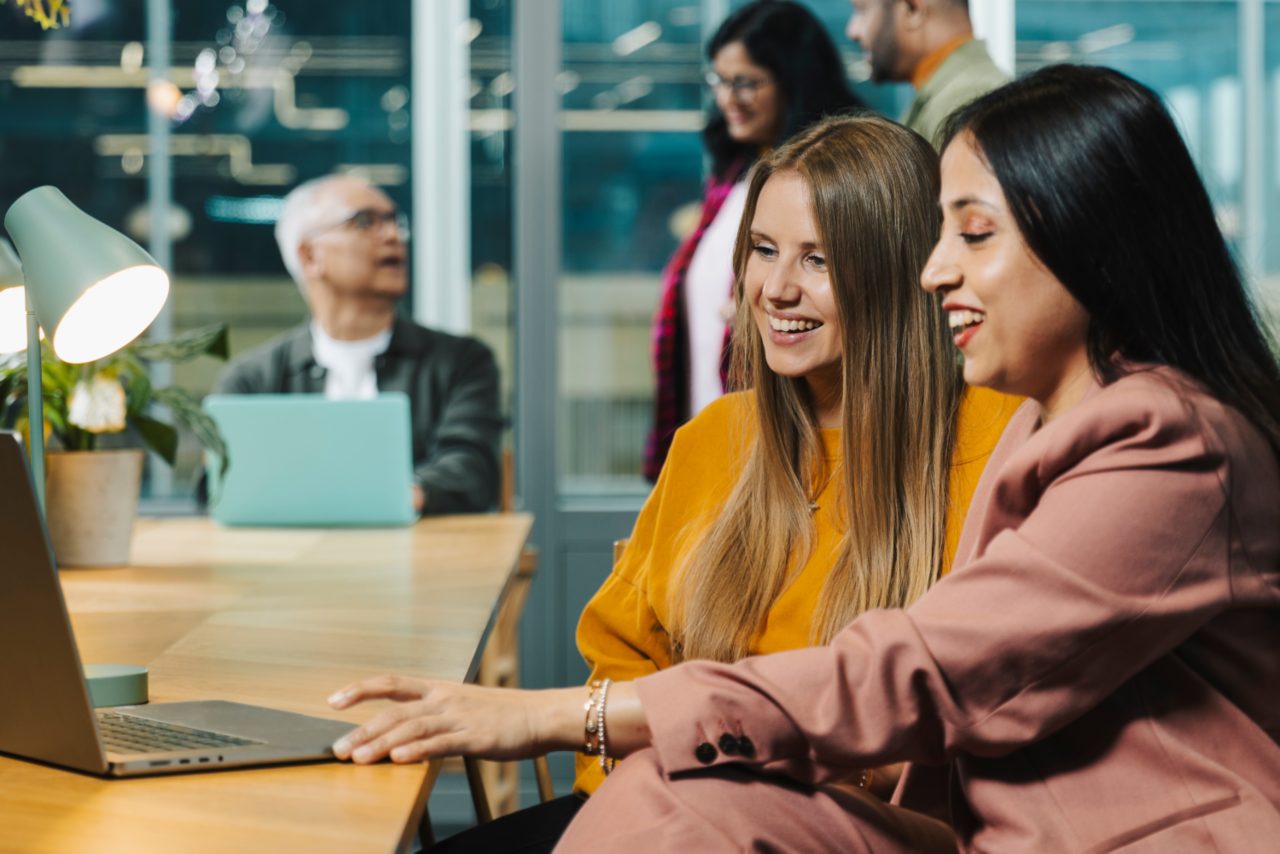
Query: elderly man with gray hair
point(343, 241)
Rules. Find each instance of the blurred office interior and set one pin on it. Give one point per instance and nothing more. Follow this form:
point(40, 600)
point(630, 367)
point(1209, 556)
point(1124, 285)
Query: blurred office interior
point(547, 153)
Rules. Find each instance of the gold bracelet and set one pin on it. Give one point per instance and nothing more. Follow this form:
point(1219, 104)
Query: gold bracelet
point(589, 722)
point(606, 761)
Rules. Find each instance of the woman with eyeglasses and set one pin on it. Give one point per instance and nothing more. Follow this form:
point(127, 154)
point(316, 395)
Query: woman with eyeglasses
point(1098, 672)
point(774, 71)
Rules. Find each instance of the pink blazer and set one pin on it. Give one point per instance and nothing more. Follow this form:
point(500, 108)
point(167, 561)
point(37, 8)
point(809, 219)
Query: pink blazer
point(1101, 669)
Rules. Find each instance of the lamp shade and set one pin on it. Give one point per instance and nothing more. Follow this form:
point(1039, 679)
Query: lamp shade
point(13, 308)
point(10, 266)
point(92, 289)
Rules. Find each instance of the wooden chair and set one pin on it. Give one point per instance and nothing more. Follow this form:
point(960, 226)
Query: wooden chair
point(495, 786)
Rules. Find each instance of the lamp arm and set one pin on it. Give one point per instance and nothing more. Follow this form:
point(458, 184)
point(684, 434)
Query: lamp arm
point(35, 404)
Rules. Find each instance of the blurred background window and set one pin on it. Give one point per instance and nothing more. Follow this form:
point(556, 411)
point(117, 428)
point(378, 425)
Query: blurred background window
point(261, 94)
point(1217, 66)
point(633, 166)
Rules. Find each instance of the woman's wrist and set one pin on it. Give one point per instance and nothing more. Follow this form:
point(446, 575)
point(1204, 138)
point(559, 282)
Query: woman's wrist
point(627, 723)
point(558, 722)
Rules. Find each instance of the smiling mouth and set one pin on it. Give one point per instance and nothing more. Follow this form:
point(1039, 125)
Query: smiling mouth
point(964, 319)
point(778, 324)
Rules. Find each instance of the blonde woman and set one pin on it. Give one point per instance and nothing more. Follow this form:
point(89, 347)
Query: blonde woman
point(758, 536)
point(840, 481)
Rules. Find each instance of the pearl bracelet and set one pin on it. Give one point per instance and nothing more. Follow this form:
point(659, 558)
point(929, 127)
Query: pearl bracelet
point(606, 761)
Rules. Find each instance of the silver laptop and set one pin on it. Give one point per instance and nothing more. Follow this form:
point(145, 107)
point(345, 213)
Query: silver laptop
point(304, 460)
point(46, 715)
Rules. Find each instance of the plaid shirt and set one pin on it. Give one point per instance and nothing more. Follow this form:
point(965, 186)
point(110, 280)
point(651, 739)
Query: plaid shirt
point(670, 346)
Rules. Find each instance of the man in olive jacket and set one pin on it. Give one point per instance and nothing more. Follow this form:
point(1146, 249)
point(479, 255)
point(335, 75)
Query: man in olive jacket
point(929, 44)
point(342, 239)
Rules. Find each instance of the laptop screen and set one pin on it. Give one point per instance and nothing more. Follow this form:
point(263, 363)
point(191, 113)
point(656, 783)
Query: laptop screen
point(305, 460)
point(45, 714)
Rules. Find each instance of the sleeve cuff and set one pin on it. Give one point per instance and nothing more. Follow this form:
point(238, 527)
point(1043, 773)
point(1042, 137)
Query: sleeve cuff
point(695, 725)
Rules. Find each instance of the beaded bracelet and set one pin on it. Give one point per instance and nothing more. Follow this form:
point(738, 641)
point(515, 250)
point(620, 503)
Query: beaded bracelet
point(606, 761)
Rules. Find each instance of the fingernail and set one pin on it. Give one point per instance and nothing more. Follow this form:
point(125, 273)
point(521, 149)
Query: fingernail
point(398, 754)
point(341, 746)
point(361, 754)
point(337, 697)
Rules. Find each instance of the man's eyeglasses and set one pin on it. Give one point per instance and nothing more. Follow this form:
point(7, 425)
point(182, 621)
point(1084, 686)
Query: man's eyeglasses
point(369, 220)
point(741, 88)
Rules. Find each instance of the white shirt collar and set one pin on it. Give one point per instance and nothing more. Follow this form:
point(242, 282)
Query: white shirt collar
point(349, 368)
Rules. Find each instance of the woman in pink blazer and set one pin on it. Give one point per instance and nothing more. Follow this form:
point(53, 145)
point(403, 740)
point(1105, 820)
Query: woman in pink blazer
point(1099, 672)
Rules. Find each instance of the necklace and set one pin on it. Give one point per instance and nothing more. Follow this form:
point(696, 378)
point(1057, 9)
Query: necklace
point(813, 499)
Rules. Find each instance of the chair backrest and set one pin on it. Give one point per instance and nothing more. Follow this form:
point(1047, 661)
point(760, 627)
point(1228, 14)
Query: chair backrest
point(494, 785)
point(507, 489)
point(500, 667)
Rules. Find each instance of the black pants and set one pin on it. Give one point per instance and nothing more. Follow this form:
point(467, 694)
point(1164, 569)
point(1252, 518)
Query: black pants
point(534, 829)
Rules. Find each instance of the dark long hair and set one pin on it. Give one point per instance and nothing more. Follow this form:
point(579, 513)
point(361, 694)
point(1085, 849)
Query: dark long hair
point(792, 44)
point(1105, 194)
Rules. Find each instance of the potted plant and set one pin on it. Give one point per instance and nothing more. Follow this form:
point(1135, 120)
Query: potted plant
point(92, 490)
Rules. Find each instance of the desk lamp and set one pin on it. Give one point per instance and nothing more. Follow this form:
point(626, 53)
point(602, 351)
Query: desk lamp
point(13, 333)
point(92, 290)
point(89, 287)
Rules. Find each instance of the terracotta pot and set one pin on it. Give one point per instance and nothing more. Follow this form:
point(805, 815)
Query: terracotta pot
point(91, 500)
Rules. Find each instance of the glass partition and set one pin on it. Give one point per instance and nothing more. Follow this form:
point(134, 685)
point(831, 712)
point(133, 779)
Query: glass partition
point(1191, 53)
point(491, 128)
point(257, 97)
point(261, 94)
point(296, 90)
point(633, 171)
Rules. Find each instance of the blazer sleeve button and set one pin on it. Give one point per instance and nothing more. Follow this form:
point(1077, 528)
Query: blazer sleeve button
point(728, 745)
point(746, 747)
point(705, 753)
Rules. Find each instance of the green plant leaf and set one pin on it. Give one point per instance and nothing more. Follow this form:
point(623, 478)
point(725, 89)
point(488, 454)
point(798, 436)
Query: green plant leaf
point(130, 367)
point(12, 406)
point(207, 340)
point(58, 375)
point(126, 366)
point(138, 391)
point(220, 347)
point(12, 367)
point(157, 436)
point(57, 419)
point(187, 411)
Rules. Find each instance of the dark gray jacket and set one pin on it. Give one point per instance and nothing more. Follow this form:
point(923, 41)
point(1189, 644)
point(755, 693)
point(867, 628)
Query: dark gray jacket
point(452, 384)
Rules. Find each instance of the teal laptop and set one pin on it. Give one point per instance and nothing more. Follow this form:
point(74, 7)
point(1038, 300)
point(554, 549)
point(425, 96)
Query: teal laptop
point(304, 460)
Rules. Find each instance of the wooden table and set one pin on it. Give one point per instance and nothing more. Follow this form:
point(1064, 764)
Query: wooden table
point(279, 618)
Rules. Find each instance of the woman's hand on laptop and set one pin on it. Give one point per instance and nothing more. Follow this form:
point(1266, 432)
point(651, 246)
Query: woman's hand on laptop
point(434, 718)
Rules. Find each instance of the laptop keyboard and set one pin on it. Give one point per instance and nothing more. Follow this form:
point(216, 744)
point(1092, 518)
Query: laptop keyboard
point(129, 734)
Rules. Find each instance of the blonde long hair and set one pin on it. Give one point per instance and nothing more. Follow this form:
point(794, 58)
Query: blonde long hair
point(874, 189)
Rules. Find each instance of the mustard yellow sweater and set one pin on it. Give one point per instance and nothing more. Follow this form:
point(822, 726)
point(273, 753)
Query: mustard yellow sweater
point(622, 635)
